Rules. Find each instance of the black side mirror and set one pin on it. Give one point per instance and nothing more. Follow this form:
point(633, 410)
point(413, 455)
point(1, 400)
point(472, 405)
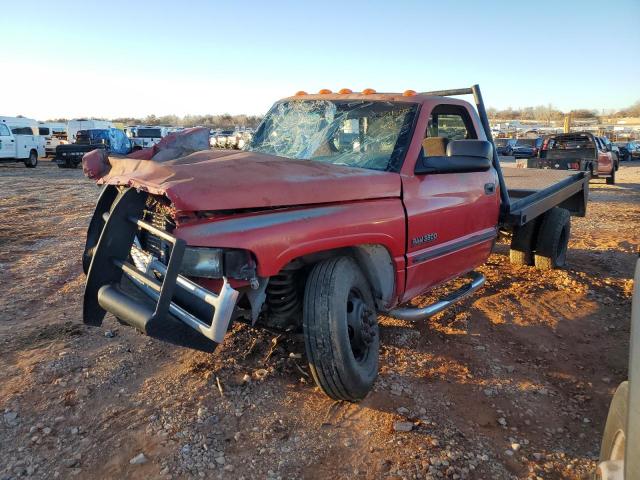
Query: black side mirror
point(463, 156)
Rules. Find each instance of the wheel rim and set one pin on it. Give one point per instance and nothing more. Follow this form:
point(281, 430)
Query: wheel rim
point(32, 158)
point(360, 325)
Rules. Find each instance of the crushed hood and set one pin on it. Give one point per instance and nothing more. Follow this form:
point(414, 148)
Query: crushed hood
point(228, 180)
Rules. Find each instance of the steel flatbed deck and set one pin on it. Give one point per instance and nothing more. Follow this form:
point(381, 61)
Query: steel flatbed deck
point(534, 191)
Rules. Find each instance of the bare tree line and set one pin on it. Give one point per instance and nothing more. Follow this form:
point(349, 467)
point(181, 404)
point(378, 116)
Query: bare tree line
point(547, 113)
point(212, 121)
point(542, 113)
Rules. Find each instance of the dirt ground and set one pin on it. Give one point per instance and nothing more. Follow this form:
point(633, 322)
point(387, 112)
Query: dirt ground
point(515, 382)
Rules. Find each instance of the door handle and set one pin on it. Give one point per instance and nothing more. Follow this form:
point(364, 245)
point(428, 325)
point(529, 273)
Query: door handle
point(489, 188)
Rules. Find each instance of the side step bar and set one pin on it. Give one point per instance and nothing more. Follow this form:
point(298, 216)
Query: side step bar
point(414, 314)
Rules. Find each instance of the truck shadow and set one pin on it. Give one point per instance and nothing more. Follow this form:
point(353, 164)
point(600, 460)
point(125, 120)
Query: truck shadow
point(615, 262)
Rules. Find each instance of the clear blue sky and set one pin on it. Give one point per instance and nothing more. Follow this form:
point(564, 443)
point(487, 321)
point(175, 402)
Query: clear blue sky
point(120, 58)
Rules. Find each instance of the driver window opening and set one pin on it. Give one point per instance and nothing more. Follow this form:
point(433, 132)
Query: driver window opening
point(447, 123)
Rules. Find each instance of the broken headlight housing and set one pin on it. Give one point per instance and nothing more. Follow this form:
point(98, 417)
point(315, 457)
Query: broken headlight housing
point(206, 262)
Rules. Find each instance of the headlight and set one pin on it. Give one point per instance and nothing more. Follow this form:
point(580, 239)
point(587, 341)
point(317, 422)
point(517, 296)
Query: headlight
point(218, 262)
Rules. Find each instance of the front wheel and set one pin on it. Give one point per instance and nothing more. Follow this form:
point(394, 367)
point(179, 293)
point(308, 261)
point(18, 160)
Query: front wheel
point(32, 161)
point(612, 450)
point(340, 327)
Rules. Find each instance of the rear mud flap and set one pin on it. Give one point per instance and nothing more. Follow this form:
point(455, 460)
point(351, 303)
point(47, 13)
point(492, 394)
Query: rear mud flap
point(103, 289)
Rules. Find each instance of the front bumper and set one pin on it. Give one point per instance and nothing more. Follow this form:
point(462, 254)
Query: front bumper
point(161, 283)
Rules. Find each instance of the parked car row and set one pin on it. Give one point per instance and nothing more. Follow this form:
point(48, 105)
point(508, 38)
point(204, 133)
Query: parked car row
point(233, 139)
point(628, 150)
point(518, 147)
point(531, 147)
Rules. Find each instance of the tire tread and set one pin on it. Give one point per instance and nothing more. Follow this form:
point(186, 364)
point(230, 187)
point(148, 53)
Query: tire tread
point(318, 330)
point(552, 224)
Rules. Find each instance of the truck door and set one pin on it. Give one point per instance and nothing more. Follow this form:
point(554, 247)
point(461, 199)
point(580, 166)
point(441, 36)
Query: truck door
point(605, 158)
point(451, 217)
point(7, 142)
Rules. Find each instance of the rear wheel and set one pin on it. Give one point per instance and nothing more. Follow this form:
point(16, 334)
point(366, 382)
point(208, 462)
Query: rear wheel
point(341, 329)
point(523, 243)
point(612, 179)
point(32, 161)
point(553, 239)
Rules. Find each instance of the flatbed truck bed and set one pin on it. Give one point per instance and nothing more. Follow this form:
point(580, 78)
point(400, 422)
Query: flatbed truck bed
point(533, 192)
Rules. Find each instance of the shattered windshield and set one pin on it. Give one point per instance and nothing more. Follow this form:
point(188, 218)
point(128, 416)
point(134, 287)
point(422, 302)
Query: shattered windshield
point(354, 133)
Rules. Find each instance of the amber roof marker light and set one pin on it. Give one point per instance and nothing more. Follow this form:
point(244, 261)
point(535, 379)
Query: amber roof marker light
point(368, 91)
point(409, 93)
point(325, 91)
point(299, 93)
point(345, 91)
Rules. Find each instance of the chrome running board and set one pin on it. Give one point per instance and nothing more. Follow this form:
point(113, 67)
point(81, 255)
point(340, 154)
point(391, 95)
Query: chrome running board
point(414, 314)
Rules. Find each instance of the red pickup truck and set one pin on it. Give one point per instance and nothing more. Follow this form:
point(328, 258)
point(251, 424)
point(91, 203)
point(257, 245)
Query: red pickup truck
point(343, 206)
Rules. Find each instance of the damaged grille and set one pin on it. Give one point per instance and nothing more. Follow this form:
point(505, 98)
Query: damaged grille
point(158, 213)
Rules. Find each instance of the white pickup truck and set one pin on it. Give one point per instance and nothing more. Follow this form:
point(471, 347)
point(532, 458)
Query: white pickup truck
point(145, 136)
point(20, 142)
point(54, 133)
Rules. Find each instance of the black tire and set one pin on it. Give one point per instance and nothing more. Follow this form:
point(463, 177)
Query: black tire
point(553, 239)
point(611, 180)
point(523, 242)
point(32, 161)
point(340, 328)
point(613, 438)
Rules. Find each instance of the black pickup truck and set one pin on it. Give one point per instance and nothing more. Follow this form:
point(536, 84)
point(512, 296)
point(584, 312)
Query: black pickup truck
point(578, 151)
point(70, 155)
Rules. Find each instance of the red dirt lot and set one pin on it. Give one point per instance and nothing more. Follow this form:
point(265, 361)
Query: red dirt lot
point(514, 382)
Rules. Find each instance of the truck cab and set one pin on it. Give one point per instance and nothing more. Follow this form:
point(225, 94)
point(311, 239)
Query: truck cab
point(20, 141)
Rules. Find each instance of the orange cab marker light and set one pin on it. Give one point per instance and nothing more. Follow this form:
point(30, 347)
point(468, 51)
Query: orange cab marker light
point(409, 93)
point(345, 91)
point(300, 93)
point(324, 91)
point(368, 91)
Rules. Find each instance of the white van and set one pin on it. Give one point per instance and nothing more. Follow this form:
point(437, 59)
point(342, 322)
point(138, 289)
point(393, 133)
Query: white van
point(20, 141)
point(54, 133)
point(83, 124)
